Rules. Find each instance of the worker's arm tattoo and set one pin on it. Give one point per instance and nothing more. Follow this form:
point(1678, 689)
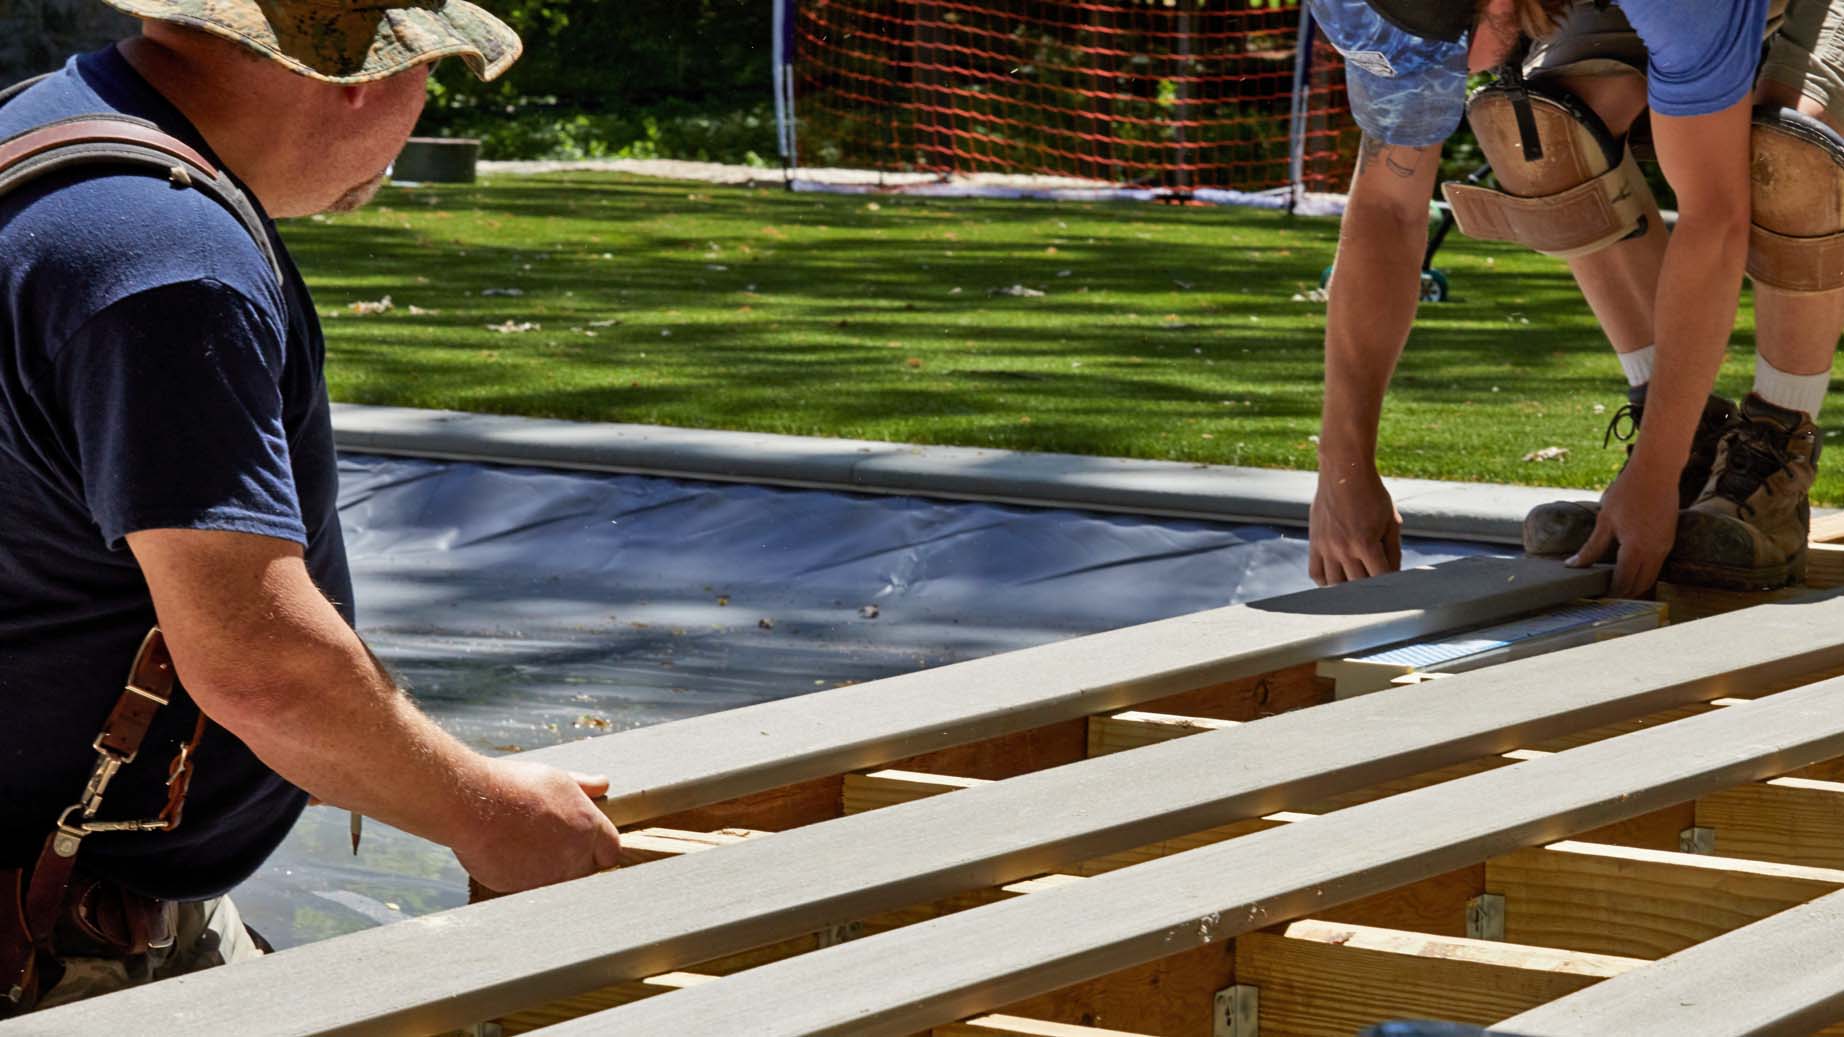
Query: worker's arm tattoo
point(1403, 162)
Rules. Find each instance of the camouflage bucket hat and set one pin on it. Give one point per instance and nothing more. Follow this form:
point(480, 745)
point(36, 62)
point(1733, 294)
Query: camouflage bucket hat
point(347, 41)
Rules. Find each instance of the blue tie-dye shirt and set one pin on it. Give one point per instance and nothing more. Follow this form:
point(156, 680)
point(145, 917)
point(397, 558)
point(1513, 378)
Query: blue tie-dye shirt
point(1411, 92)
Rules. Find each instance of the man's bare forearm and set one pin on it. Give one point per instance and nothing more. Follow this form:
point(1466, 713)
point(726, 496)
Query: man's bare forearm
point(1700, 283)
point(265, 655)
point(1697, 298)
point(1374, 294)
point(334, 722)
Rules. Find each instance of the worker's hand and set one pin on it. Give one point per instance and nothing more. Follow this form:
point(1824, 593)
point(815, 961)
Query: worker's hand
point(1640, 510)
point(1354, 529)
point(539, 825)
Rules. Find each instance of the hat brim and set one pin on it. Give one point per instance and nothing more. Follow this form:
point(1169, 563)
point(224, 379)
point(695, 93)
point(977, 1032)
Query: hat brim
point(341, 45)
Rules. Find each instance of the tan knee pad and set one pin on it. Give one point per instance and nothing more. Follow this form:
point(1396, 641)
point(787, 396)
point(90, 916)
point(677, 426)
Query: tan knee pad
point(1797, 191)
point(1569, 187)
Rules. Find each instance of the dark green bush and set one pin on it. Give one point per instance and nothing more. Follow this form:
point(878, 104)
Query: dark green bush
point(737, 134)
point(639, 78)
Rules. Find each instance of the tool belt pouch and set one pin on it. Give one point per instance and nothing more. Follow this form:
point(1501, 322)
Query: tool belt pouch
point(102, 919)
point(97, 919)
point(55, 908)
point(19, 973)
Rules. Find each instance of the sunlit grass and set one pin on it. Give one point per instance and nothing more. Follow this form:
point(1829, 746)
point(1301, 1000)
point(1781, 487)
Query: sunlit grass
point(1163, 332)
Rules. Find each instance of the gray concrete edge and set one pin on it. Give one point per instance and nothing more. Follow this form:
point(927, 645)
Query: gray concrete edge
point(1430, 508)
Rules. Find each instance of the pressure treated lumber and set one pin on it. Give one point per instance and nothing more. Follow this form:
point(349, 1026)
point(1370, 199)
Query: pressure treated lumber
point(1782, 977)
point(1014, 1026)
point(1321, 979)
point(1641, 903)
point(454, 968)
point(909, 979)
point(1827, 529)
point(688, 763)
point(1824, 565)
point(1131, 729)
point(1789, 820)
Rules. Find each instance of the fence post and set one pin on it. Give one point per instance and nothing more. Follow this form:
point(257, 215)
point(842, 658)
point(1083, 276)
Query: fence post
point(1296, 128)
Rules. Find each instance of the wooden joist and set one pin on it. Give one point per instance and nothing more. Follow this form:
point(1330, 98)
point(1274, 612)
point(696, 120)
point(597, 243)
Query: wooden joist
point(656, 771)
point(1824, 565)
point(1787, 820)
point(1323, 979)
point(1015, 1026)
point(909, 979)
point(1641, 903)
point(1781, 977)
point(1827, 529)
point(1134, 728)
point(455, 968)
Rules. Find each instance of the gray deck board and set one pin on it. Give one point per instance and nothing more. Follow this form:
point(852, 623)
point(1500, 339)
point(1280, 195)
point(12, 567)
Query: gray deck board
point(473, 963)
point(689, 763)
point(910, 979)
point(1780, 977)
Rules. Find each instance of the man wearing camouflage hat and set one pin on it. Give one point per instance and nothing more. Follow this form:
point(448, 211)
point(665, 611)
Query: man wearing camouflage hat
point(167, 457)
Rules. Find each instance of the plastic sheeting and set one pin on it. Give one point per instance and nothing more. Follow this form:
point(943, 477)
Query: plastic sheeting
point(525, 607)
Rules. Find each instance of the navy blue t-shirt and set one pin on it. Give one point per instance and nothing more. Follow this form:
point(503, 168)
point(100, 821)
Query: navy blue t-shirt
point(153, 374)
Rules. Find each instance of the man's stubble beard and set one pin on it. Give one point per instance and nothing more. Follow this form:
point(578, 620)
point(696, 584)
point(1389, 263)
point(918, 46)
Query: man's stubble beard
point(356, 197)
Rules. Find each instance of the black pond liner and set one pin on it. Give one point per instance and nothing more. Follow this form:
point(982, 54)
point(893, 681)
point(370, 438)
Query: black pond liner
point(528, 606)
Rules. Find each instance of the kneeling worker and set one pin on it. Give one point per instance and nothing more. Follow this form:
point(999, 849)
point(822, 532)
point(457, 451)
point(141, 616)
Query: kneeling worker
point(167, 456)
point(1554, 131)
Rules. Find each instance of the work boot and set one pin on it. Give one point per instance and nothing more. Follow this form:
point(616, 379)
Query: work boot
point(1747, 530)
point(1562, 527)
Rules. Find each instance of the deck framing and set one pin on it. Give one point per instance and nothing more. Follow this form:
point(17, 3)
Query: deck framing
point(1410, 834)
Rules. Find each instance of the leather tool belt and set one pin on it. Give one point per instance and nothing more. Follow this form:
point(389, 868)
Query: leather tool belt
point(52, 906)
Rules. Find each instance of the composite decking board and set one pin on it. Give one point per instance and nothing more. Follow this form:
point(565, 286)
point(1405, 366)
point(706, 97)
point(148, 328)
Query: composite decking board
point(676, 766)
point(1780, 977)
point(460, 966)
point(903, 981)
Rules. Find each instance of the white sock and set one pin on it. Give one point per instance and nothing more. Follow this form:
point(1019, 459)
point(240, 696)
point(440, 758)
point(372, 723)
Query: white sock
point(1638, 365)
point(1802, 392)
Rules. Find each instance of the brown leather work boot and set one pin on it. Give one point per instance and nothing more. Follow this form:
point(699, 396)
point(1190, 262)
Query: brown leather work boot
point(1747, 530)
point(1562, 527)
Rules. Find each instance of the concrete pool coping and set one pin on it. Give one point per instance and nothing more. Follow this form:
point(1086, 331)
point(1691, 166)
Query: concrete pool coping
point(1487, 512)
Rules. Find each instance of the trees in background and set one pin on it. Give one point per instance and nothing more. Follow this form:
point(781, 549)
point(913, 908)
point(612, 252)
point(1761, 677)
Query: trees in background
point(637, 78)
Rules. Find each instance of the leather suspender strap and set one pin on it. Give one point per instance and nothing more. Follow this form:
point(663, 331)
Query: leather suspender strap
point(121, 141)
point(101, 129)
point(30, 908)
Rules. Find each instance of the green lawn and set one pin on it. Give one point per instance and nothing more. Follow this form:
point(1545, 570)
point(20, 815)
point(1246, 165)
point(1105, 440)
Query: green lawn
point(1162, 332)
